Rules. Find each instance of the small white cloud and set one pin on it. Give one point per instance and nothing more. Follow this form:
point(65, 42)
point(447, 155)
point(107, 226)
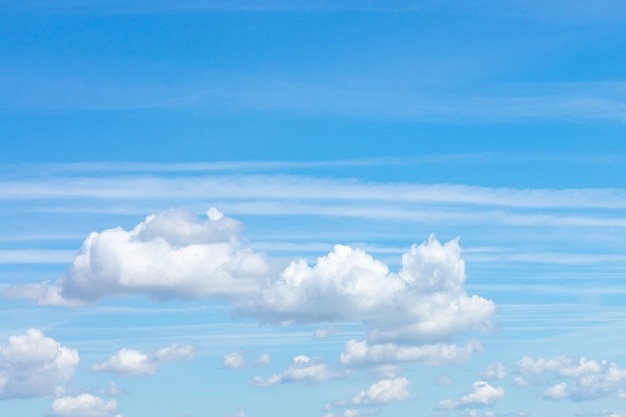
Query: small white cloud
point(175, 352)
point(556, 392)
point(362, 353)
point(482, 394)
point(84, 405)
point(233, 360)
point(383, 392)
point(495, 371)
point(590, 379)
point(33, 365)
point(236, 360)
point(351, 413)
point(302, 369)
point(130, 362)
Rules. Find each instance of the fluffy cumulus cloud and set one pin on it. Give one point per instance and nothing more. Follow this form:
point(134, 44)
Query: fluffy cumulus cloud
point(358, 353)
point(302, 369)
point(383, 392)
point(481, 394)
point(33, 365)
point(85, 405)
point(169, 255)
point(174, 255)
point(130, 362)
point(584, 379)
point(237, 360)
point(424, 302)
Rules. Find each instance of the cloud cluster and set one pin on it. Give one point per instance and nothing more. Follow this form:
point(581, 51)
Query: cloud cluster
point(169, 255)
point(33, 365)
point(173, 255)
point(586, 379)
point(481, 394)
point(383, 392)
point(130, 362)
point(422, 303)
point(361, 353)
point(302, 369)
point(84, 405)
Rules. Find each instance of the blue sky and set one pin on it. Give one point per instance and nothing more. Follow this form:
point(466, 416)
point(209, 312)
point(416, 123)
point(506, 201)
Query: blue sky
point(322, 209)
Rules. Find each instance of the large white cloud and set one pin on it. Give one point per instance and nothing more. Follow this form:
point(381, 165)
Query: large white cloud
point(84, 405)
point(33, 365)
point(585, 379)
point(302, 369)
point(359, 353)
point(168, 255)
point(172, 254)
point(131, 362)
point(422, 303)
point(481, 394)
point(383, 392)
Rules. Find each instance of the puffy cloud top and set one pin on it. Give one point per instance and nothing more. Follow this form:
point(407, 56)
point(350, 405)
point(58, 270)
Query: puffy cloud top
point(84, 405)
point(481, 394)
point(172, 254)
point(383, 392)
point(424, 302)
point(33, 365)
point(169, 255)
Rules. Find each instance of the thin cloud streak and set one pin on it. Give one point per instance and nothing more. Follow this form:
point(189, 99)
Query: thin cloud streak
point(307, 188)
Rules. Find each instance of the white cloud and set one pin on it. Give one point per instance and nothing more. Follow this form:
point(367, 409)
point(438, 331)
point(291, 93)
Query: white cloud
point(239, 413)
point(422, 303)
point(172, 254)
point(362, 353)
point(495, 371)
point(33, 365)
point(84, 405)
point(351, 413)
point(302, 369)
point(482, 394)
point(590, 379)
point(383, 392)
point(236, 360)
point(530, 366)
point(556, 392)
point(169, 255)
point(130, 362)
